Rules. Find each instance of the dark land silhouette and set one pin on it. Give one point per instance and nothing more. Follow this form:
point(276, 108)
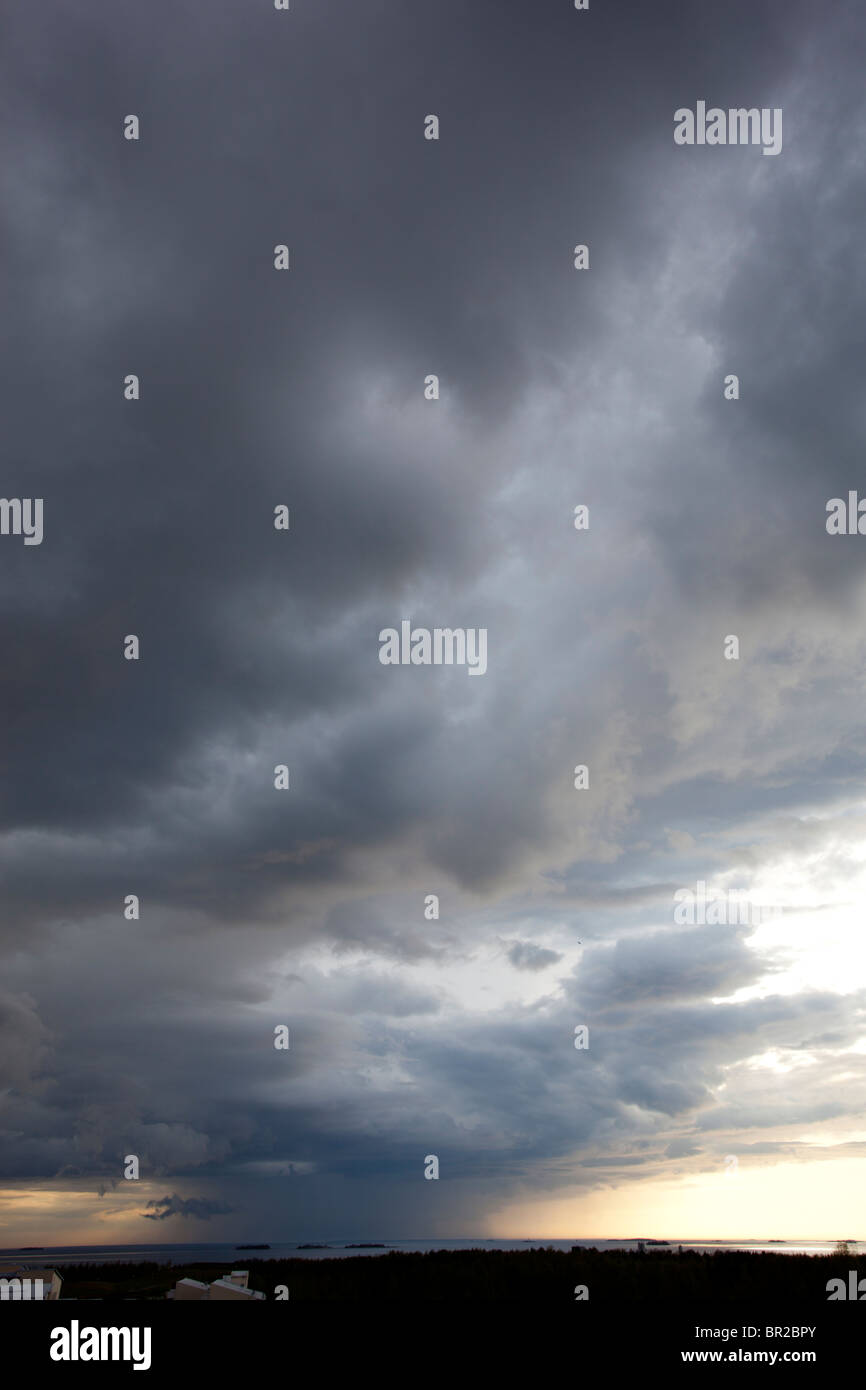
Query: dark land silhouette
point(540, 1273)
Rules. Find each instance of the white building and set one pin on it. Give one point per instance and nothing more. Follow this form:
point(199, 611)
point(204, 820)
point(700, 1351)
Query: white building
point(231, 1287)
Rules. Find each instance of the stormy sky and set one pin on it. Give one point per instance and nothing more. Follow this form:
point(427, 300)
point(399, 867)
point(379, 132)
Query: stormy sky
point(722, 1092)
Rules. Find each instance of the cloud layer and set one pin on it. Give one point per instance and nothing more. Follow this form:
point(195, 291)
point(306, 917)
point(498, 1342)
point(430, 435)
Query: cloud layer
point(413, 1034)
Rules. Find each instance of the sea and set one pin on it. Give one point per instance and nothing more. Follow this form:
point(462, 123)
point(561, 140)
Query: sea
point(236, 1255)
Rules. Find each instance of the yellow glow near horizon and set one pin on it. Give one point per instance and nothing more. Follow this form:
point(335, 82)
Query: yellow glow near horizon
point(72, 1216)
point(818, 1200)
point(808, 1200)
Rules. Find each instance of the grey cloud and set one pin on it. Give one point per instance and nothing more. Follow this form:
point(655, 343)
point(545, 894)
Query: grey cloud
point(526, 955)
point(197, 1208)
point(258, 648)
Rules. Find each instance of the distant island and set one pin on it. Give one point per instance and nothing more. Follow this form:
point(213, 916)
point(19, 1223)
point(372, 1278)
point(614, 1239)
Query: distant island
point(252, 1247)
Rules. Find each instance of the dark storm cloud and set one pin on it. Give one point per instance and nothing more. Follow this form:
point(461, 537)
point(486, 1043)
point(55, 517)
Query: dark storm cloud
point(525, 955)
point(199, 1208)
point(241, 370)
point(260, 648)
point(23, 1040)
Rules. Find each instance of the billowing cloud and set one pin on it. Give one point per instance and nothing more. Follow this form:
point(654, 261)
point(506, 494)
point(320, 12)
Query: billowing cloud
point(198, 1208)
point(526, 955)
point(415, 1031)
